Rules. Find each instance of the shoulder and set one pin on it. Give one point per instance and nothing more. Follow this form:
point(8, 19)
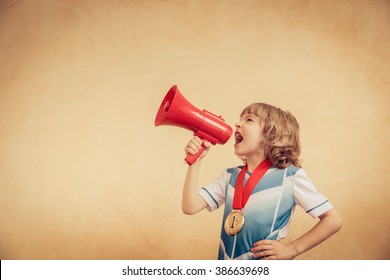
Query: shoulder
point(293, 170)
point(296, 175)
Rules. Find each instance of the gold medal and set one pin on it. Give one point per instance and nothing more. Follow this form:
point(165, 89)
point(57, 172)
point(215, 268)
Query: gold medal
point(234, 222)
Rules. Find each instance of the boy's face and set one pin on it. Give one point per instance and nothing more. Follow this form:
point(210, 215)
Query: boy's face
point(248, 136)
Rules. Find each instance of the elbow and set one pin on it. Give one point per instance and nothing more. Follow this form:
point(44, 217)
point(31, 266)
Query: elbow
point(333, 221)
point(188, 211)
point(193, 207)
point(337, 223)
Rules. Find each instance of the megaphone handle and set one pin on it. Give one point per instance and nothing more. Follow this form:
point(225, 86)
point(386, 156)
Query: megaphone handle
point(190, 159)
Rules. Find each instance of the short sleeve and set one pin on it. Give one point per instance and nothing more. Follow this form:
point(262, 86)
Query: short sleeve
point(307, 196)
point(214, 192)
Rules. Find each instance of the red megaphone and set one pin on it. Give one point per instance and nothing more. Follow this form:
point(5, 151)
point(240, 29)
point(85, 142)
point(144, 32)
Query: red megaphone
point(177, 111)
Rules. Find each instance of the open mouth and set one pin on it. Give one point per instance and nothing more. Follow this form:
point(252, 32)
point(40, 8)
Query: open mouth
point(238, 137)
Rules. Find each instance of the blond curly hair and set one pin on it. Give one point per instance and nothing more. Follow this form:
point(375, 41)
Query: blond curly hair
point(281, 143)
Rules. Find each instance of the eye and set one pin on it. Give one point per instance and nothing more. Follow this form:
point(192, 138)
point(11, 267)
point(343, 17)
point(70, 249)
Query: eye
point(249, 120)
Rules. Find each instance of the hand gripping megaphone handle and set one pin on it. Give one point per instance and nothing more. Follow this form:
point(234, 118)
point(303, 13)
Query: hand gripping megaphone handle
point(190, 159)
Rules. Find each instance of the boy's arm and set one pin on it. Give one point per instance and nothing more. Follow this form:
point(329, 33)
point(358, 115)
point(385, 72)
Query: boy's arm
point(330, 223)
point(192, 202)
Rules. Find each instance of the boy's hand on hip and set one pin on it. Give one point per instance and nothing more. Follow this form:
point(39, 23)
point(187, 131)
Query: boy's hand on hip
point(273, 250)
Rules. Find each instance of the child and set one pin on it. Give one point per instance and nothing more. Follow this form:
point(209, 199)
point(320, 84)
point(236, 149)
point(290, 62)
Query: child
point(258, 210)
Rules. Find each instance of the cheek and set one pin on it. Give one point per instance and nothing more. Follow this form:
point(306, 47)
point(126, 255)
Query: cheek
point(253, 142)
point(256, 137)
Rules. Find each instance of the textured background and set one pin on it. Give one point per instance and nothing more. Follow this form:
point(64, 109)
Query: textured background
point(84, 174)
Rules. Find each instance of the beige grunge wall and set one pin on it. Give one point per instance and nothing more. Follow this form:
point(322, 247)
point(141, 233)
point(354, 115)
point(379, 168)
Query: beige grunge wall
point(84, 174)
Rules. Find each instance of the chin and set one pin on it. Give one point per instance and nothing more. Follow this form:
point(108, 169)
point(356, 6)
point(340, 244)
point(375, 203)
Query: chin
point(237, 153)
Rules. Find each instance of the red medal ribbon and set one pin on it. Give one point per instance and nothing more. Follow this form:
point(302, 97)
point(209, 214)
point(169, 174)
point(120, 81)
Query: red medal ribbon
point(241, 193)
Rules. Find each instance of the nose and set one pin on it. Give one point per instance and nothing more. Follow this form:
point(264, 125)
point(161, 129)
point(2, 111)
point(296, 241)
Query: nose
point(238, 125)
